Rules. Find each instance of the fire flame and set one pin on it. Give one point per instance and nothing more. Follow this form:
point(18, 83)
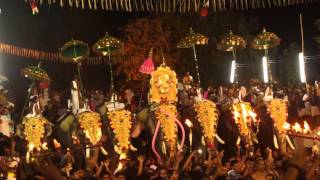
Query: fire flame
point(188, 123)
point(297, 128)
point(244, 116)
point(56, 144)
point(306, 127)
point(30, 147)
point(287, 126)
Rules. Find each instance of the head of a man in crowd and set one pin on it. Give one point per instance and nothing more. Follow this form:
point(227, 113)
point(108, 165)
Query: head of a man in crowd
point(120, 176)
point(174, 175)
point(163, 173)
point(106, 177)
point(260, 166)
point(250, 163)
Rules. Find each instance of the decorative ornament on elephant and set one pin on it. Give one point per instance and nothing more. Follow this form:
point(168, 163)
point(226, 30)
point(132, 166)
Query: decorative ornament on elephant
point(278, 110)
point(35, 130)
point(245, 118)
point(88, 124)
point(163, 96)
point(207, 115)
point(121, 123)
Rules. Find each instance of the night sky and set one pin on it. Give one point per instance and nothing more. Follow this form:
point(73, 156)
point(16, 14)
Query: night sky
point(53, 26)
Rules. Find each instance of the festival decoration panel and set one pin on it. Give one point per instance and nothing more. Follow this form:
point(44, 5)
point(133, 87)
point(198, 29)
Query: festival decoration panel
point(54, 57)
point(169, 6)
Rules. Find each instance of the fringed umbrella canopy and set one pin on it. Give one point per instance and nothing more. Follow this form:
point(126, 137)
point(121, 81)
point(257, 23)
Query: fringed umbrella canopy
point(106, 44)
point(193, 39)
point(35, 73)
point(74, 51)
point(231, 41)
point(265, 40)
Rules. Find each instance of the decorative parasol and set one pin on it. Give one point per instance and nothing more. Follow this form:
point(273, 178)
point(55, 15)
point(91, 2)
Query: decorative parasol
point(75, 50)
point(265, 41)
point(104, 47)
point(147, 67)
point(190, 41)
point(232, 42)
point(35, 73)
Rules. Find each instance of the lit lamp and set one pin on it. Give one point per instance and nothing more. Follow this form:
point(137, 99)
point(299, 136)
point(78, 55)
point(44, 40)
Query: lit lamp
point(265, 69)
point(232, 42)
point(265, 41)
point(302, 68)
point(232, 71)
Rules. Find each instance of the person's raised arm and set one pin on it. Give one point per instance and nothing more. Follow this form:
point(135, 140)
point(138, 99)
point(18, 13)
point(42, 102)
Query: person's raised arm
point(99, 170)
point(178, 160)
point(188, 161)
point(140, 168)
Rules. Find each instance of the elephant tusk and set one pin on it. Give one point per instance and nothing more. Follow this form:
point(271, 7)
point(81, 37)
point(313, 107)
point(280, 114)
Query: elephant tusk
point(87, 152)
point(275, 142)
point(103, 151)
point(132, 148)
point(238, 140)
point(221, 141)
point(290, 143)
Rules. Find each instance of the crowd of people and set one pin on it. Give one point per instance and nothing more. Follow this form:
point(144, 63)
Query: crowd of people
point(229, 161)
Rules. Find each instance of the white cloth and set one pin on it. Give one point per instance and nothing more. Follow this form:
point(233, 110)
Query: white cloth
point(75, 97)
point(6, 125)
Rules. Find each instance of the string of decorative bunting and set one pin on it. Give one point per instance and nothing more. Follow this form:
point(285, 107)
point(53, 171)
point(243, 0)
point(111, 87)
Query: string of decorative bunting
point(45, 56)
point(167, 6)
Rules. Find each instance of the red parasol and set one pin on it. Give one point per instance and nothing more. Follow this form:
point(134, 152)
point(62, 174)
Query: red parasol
point(147, 67)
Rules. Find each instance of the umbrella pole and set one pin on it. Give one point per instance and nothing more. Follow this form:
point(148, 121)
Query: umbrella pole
point(29, 94)
point(141, 94)
point(196, 61)
point(27, 99)
point(80, 78)
point(111, 76)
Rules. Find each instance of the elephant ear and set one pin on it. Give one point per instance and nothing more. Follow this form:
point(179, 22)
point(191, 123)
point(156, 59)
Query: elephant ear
point(143, 115)
point(66, 123)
